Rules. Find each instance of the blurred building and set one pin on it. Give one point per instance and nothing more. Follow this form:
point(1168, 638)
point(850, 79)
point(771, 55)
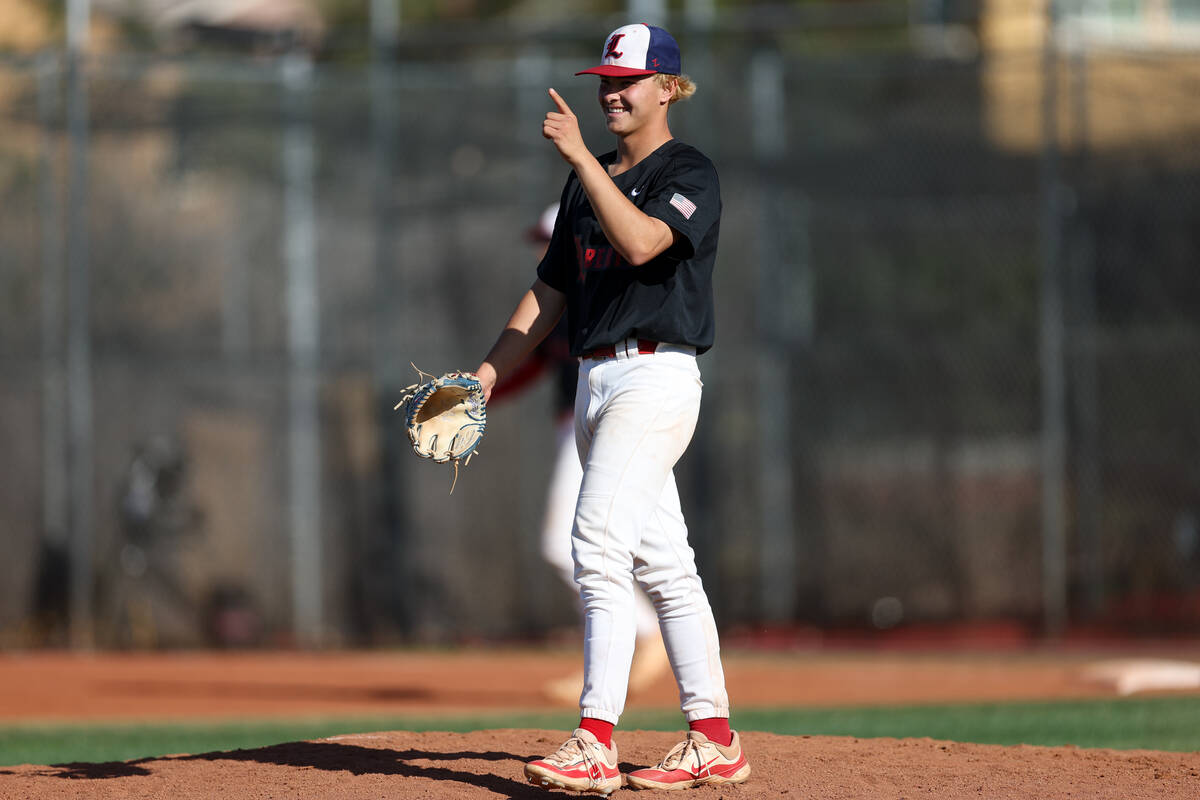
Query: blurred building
point(24, 26)
point(1108, 51)
point(248, 25)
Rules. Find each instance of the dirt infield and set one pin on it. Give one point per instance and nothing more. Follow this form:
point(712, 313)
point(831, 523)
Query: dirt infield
point(488, 764)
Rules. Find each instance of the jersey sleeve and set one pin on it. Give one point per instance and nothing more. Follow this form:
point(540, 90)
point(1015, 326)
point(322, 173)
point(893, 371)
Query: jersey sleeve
point(688, 199)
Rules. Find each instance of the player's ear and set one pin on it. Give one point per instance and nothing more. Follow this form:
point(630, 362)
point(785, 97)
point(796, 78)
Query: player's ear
point(667, 86)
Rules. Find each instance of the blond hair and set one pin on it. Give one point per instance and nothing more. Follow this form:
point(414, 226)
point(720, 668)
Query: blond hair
point(685, 87)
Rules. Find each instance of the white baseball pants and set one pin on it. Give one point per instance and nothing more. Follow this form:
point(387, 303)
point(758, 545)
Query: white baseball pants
point(559, 519)
point(634, 417)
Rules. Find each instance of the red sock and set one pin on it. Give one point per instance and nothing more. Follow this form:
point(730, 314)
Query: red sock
point(599, 728)
point(715, 728)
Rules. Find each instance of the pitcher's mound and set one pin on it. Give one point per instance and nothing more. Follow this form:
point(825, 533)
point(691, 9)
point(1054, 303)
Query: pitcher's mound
point(488, 764)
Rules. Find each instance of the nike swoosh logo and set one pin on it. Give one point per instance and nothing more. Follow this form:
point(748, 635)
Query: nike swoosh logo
point(635, 192)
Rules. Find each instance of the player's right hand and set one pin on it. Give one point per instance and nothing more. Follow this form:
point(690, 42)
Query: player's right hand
point(562, 128)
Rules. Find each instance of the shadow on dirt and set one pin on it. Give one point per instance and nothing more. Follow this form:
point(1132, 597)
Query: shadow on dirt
point(336, 757)
point(100, 771)
point(358, 760)
point(339, 757)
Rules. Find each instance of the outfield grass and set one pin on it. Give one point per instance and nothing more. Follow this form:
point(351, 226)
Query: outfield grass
point(1171, 723)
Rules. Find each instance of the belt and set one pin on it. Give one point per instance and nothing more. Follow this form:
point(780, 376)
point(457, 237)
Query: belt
point(644, 347)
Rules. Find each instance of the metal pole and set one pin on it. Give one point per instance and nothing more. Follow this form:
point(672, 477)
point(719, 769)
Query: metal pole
point(699, 123)
point(304, 436)
point(1051, 359)
point(651, 11)
point(695, 122)
point(388, 300)
point(385, 126)
point(777, 553)
point(385, 29)
point(1085, 354)
point(531, 76)
point(81, 471)
point(55, 519)
point(700, 13)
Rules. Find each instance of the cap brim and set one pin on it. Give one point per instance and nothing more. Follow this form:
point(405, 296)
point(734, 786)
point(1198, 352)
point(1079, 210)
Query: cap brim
point(609, 71)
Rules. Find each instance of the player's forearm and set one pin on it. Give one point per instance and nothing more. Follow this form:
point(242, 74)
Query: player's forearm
point(637, 236)
point(534, 318)
point(510, 348)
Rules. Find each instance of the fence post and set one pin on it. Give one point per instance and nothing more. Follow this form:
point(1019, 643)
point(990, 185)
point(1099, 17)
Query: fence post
point(1081, 300)
point(651, 11)
point(777, 553)
point(1050, 347)
point(56, 521)
point(304, 436)
point(80, 445)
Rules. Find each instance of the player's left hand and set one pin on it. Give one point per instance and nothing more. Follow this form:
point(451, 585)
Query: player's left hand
point(486, 374)
point(562, 128)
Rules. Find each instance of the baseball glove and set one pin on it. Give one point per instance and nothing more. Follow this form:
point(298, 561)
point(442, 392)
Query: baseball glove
point(445, 417)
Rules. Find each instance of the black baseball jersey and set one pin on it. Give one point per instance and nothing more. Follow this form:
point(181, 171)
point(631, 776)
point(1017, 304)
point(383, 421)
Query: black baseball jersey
point(668, 299)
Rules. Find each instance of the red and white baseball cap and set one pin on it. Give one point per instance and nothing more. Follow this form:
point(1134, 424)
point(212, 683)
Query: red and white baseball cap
point(638, 49)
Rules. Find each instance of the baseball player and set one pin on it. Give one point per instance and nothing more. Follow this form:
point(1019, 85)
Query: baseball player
point(553, 355)
point(630, 262)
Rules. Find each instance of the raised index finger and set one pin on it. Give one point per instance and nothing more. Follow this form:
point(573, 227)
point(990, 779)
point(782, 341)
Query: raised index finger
point(558, 101)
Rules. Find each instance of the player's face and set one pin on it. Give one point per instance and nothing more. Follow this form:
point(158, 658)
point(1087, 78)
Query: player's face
point(628, 103)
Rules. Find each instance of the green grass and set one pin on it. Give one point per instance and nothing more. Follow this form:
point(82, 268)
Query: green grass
point(1151, 724)
point(1171, 723)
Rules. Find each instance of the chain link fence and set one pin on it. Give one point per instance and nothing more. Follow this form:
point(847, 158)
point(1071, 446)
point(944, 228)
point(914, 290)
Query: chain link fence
point(215, 280)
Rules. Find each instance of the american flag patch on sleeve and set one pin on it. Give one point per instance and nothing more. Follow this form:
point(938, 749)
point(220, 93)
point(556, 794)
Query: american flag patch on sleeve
point(683, 205)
